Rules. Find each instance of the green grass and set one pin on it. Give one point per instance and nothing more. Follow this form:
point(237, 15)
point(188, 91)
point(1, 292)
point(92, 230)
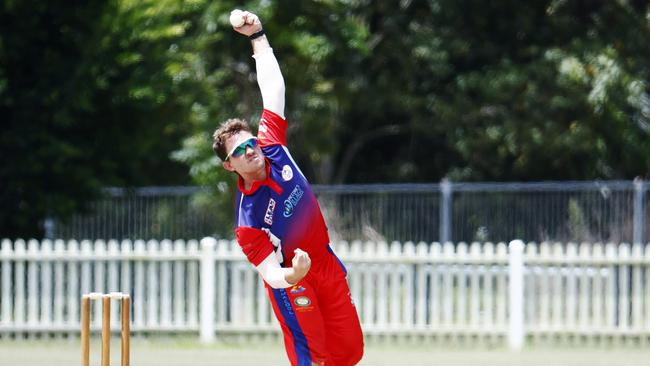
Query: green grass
point(177, 352)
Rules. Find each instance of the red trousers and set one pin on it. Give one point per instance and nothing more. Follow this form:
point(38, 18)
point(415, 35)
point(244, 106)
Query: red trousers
point(318, 318)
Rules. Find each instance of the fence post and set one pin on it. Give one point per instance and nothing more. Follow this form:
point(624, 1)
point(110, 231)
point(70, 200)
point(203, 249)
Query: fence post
point(445, 210)
point(207, 281)
point(49, 226)
point(6, 286)
point(516, 294)
point(639, 212)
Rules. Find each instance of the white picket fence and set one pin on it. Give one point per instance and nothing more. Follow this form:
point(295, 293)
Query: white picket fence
point(482, 291)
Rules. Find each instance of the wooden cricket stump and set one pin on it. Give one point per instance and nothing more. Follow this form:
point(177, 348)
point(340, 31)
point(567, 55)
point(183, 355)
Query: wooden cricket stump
point(125, 302)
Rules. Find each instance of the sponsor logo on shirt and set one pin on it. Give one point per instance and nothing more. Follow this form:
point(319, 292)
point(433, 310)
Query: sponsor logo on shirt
point(297, 289)
point(292, 201)
point(287, 173)
point(268, 217)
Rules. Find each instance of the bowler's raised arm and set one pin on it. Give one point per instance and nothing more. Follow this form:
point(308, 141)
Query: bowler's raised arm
point(269, 76)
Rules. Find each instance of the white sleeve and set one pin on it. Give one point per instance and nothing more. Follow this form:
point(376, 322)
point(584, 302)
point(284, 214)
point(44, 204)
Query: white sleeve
point(270, 80)
point(272, 273)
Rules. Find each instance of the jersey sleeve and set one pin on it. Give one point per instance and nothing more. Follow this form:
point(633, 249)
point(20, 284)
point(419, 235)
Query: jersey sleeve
point(272, 130)
point(254, 243)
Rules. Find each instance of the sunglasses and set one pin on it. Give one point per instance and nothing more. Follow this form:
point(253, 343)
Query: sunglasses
point(241, 148)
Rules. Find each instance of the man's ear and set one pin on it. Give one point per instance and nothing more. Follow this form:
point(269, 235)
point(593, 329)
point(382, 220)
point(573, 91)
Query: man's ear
point(226, 165)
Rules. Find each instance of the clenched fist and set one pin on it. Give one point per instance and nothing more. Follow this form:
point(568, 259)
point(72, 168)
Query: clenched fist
point(251, 24)
point(300, 265)
point(301, 261)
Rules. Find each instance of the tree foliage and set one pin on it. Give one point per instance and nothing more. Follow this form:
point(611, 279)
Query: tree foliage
point(100, 93)
point(417, 91)
point(92, 94)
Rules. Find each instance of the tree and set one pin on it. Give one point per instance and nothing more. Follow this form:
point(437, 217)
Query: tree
point(100, 93)
point(93, 94)
point(418, 91)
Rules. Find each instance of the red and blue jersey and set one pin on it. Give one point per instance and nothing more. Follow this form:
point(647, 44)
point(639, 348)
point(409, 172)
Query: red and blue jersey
point(283, 205)
point(279, 215)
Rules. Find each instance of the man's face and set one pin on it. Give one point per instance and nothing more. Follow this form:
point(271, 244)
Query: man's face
point(252, 159)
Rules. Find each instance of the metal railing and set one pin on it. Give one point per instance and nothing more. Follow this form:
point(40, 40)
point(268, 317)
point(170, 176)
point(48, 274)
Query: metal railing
point(605, 211)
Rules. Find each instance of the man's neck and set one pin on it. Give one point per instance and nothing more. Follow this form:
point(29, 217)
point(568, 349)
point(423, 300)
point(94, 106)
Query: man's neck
point(249, 178)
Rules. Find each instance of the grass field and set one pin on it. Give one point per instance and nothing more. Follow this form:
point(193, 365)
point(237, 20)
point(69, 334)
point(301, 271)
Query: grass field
point(174, 353)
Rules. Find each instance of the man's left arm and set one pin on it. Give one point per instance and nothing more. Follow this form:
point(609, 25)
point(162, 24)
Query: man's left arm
point(257, 246)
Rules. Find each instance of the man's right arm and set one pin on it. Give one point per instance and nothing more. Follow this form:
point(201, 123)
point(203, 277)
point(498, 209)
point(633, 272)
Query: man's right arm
point(269, 75)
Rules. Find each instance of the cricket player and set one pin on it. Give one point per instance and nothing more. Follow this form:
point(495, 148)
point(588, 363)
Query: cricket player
point(281, 230)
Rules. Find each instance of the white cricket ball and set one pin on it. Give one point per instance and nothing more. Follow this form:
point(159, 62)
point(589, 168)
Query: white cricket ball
point(237, 18)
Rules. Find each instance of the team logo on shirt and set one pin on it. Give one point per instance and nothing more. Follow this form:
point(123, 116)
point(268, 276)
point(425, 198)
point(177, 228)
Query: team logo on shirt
point(287, 173)
point(302, 301)
point(262, 127)
point(268, 217)
point(292, 201)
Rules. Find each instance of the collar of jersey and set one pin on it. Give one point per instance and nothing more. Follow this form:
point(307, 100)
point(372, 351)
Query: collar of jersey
point(258, 183)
